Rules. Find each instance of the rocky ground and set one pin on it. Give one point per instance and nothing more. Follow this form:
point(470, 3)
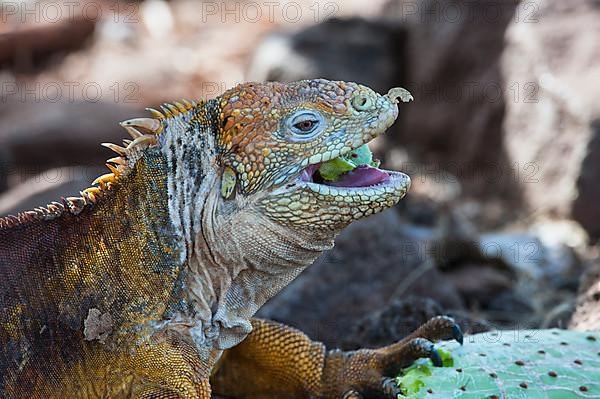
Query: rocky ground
point(502, 141)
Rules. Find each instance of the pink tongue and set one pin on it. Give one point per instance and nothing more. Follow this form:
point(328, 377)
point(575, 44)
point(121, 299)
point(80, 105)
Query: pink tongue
point(360, 177)
point(307, 174)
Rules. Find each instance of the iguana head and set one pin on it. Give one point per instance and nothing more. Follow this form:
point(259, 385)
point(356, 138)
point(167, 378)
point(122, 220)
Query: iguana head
point(248, 165)
point(273, 137)
point(245, 194)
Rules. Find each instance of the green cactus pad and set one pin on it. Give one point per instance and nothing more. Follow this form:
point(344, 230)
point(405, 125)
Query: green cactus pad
point(333, 169)
point(533, 364)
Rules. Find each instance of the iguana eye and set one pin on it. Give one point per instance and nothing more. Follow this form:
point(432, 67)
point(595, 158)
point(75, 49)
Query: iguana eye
point(304, 125)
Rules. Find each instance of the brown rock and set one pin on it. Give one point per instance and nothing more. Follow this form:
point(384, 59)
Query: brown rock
point(24, 48)
point(449, 66)
point(585, 208)
point(400, 318)
point(587, 312)
point(478, 283)
point(453, 70)
point(505, 93)
point(48, 186)
point(355, 49)
point(37, 136)
point(554, 64)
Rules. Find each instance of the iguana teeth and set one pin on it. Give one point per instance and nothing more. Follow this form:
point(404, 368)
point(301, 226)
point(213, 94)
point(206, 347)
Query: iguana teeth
point(150, 124)
point(116, 148)
point(155, 113)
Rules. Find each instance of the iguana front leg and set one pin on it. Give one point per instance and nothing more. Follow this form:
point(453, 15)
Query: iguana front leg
point(274, 361)
point(279, 361)
point(170, 367)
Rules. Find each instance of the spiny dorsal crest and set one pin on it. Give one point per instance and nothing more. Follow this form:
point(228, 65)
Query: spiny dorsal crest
point(144, 133)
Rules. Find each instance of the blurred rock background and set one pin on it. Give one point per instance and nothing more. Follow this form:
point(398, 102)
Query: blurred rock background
point(502, 226)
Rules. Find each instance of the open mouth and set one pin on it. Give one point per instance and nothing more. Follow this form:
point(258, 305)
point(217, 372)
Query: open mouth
point(355, 169)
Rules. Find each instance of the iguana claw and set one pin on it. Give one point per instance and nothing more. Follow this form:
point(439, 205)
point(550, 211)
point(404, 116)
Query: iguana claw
point(457, 334)
point(370, 372)
point(436, 358)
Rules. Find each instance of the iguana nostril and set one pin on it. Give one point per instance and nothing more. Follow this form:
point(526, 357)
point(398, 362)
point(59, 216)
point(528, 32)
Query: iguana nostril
point(361, 102)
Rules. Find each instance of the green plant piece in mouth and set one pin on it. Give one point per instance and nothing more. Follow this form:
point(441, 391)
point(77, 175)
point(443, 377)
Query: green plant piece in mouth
point(334, 168)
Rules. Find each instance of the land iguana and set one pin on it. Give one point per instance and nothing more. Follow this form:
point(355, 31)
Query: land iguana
point(145, 285)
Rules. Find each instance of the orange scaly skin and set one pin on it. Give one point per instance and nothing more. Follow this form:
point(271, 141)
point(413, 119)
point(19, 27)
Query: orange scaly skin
point(145, 286)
